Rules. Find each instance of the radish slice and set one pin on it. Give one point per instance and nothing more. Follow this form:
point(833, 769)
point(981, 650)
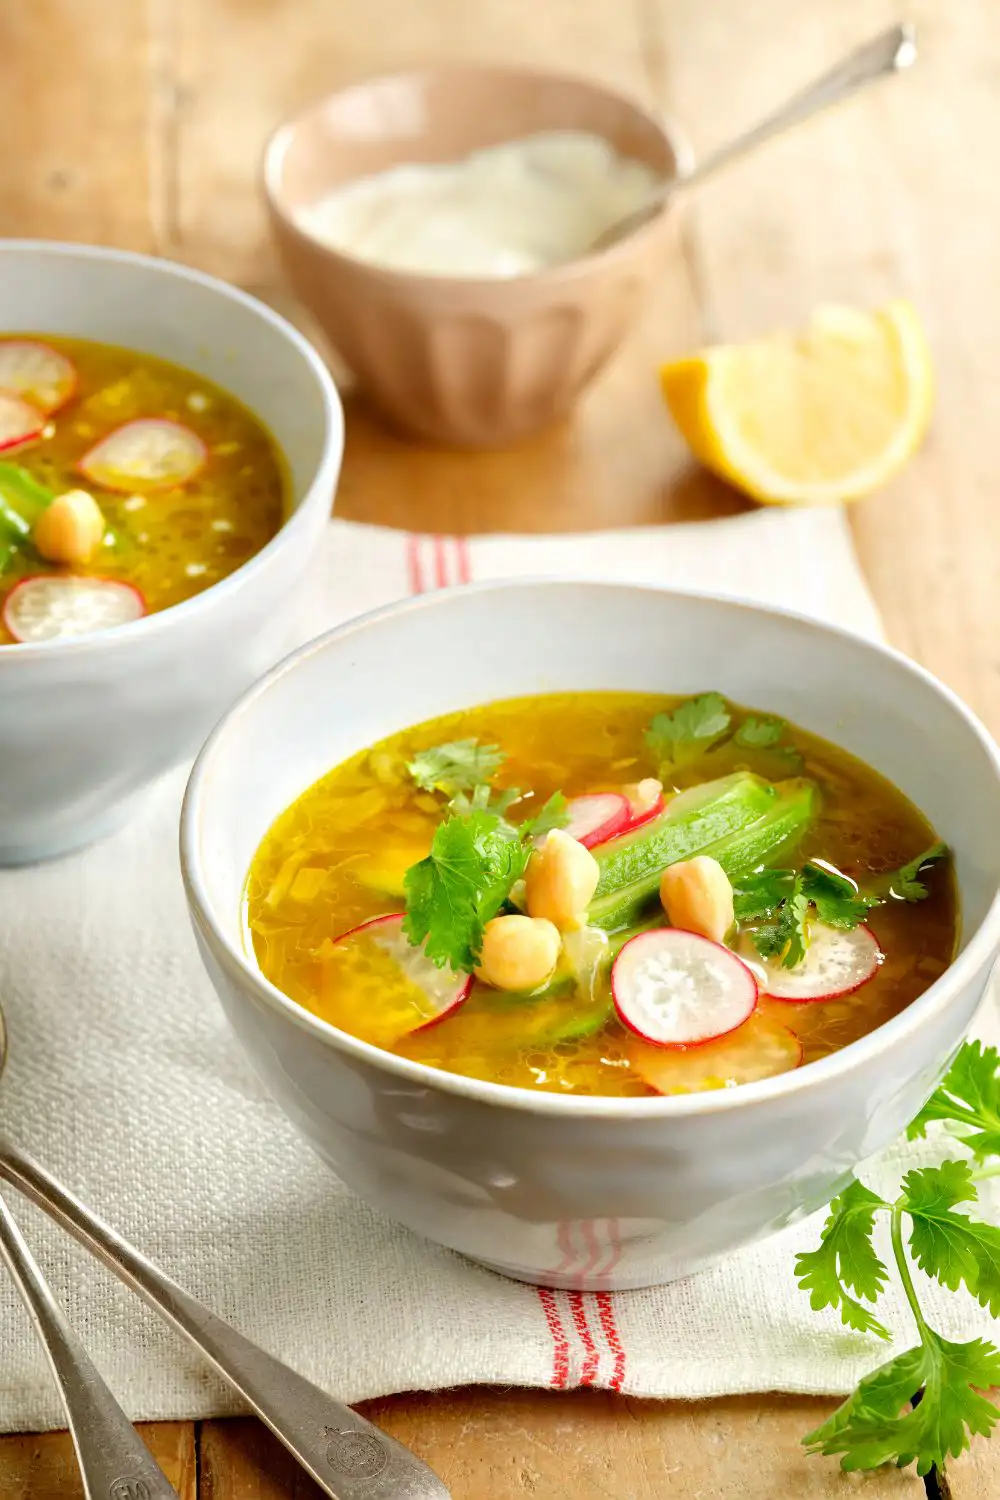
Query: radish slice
point(645, 802)
point(676, 989)
point(760, 1048)
point(836, 963)
point(443, 989)
point(149, 454)
point(55, 606)
point(597, 817)
point(19, 422)
point(41, 375)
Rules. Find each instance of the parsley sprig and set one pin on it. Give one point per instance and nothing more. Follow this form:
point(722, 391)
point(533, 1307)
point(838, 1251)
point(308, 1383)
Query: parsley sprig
point(476, 859)
point(704, 723)
point(924, 1405)
point(785, 902)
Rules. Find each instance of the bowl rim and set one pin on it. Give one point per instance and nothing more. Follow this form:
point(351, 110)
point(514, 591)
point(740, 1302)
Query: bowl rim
point(984, 940)
point(318, 490)
point(281, 138)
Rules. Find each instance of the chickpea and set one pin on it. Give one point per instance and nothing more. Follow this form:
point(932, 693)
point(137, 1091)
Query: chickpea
point(519, 953)
point(70, 529)
point(560, 880)
point(644, 794)
point(697, 896)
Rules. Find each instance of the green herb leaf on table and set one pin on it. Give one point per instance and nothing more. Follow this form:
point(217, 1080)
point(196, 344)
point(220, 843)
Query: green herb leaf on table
point(846, 1261)
point(459, 766)
point(474, 861)
point(969, 1097)
point(681, 736)
point(878, 1424)
point(951, 1247)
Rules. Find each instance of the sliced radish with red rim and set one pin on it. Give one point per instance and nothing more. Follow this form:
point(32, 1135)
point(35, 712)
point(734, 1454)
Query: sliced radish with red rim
point(836, 963)
point(443, 990)
point(41, 375)
point(761, 1048)
point(56, 606)
point(19, 422)
point(678, 989)
point(597, 816)
point(148, 454)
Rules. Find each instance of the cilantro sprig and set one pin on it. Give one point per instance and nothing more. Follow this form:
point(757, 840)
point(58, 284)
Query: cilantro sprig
point(457, 767)
point(476, 859)
point(925, 1405)
point(704, 723)
point(784, 902)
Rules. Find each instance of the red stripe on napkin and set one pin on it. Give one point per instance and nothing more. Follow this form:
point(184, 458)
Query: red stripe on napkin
point(414, 567)
point(606, 1314)
point(591, 1357)
point(441, 560)
point(560, 1370)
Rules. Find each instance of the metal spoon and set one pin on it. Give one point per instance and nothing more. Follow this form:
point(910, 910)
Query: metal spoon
point(889, 52)
point(114, 1461)
point(347, 1456)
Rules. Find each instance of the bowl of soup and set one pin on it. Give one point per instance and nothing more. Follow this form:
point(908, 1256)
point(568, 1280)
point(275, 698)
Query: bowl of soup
point(559, 909)
point(169, 449)
point(438, 224)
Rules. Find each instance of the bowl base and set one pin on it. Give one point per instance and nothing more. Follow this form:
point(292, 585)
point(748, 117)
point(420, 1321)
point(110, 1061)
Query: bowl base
point(32, 851)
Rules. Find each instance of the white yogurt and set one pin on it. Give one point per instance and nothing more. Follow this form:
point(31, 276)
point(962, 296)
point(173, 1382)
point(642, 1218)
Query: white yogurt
point(507, 211)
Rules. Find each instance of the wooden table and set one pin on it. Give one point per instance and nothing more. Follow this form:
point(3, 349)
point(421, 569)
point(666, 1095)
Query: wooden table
point(140, 124)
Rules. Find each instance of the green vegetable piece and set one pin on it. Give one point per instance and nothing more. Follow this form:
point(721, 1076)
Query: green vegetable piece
point(23, 493)
point(691, 820)
point(13, 527)
point(846, 1261)
point(744, 826)
point(969, 1096)
point(679, 737)
point(836, 901)
point(458, 766)
point(474, 861)
point(877, 1425)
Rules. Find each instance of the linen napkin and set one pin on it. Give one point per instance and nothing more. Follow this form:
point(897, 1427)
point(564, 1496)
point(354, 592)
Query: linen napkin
point(125, 1080)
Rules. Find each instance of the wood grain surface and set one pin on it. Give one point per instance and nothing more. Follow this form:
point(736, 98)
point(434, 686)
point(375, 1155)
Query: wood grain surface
point(139, 123)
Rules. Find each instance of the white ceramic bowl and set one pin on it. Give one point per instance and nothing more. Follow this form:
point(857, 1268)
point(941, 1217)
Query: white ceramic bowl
point(86, 724)
point(662, 1186)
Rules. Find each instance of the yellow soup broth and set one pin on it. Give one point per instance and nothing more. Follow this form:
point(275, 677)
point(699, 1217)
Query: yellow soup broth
point(175, 542)
point(336, 858)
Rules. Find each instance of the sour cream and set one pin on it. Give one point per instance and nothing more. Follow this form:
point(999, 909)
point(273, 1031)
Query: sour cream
point(506, 211)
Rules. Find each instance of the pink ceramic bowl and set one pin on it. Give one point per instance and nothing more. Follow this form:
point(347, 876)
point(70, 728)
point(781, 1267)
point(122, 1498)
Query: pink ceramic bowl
point(476, 362)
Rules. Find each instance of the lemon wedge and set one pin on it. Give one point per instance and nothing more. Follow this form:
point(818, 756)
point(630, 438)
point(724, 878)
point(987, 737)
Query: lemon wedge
point(809, 418)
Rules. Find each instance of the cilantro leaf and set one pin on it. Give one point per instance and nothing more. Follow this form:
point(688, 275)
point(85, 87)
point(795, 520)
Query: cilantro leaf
point(877, 1424)
point(786, 937)
point(837, 900)
point(846, 1261)
point(458, 766)
point(554, 814)
point(475, 858)
point(969, 1095)
point(759, 733)
point(484, 798)
point(681, 736)
point(952, 1247)
point(758, 896)
point(904, 882)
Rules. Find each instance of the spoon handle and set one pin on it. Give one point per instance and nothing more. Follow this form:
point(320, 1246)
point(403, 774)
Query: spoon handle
point(114, 1461)
point(348, 1457)
point(889, 52)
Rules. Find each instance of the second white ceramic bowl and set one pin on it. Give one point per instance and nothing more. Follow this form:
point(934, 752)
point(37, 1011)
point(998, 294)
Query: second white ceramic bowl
point(655, 1187)
point(87, 724)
